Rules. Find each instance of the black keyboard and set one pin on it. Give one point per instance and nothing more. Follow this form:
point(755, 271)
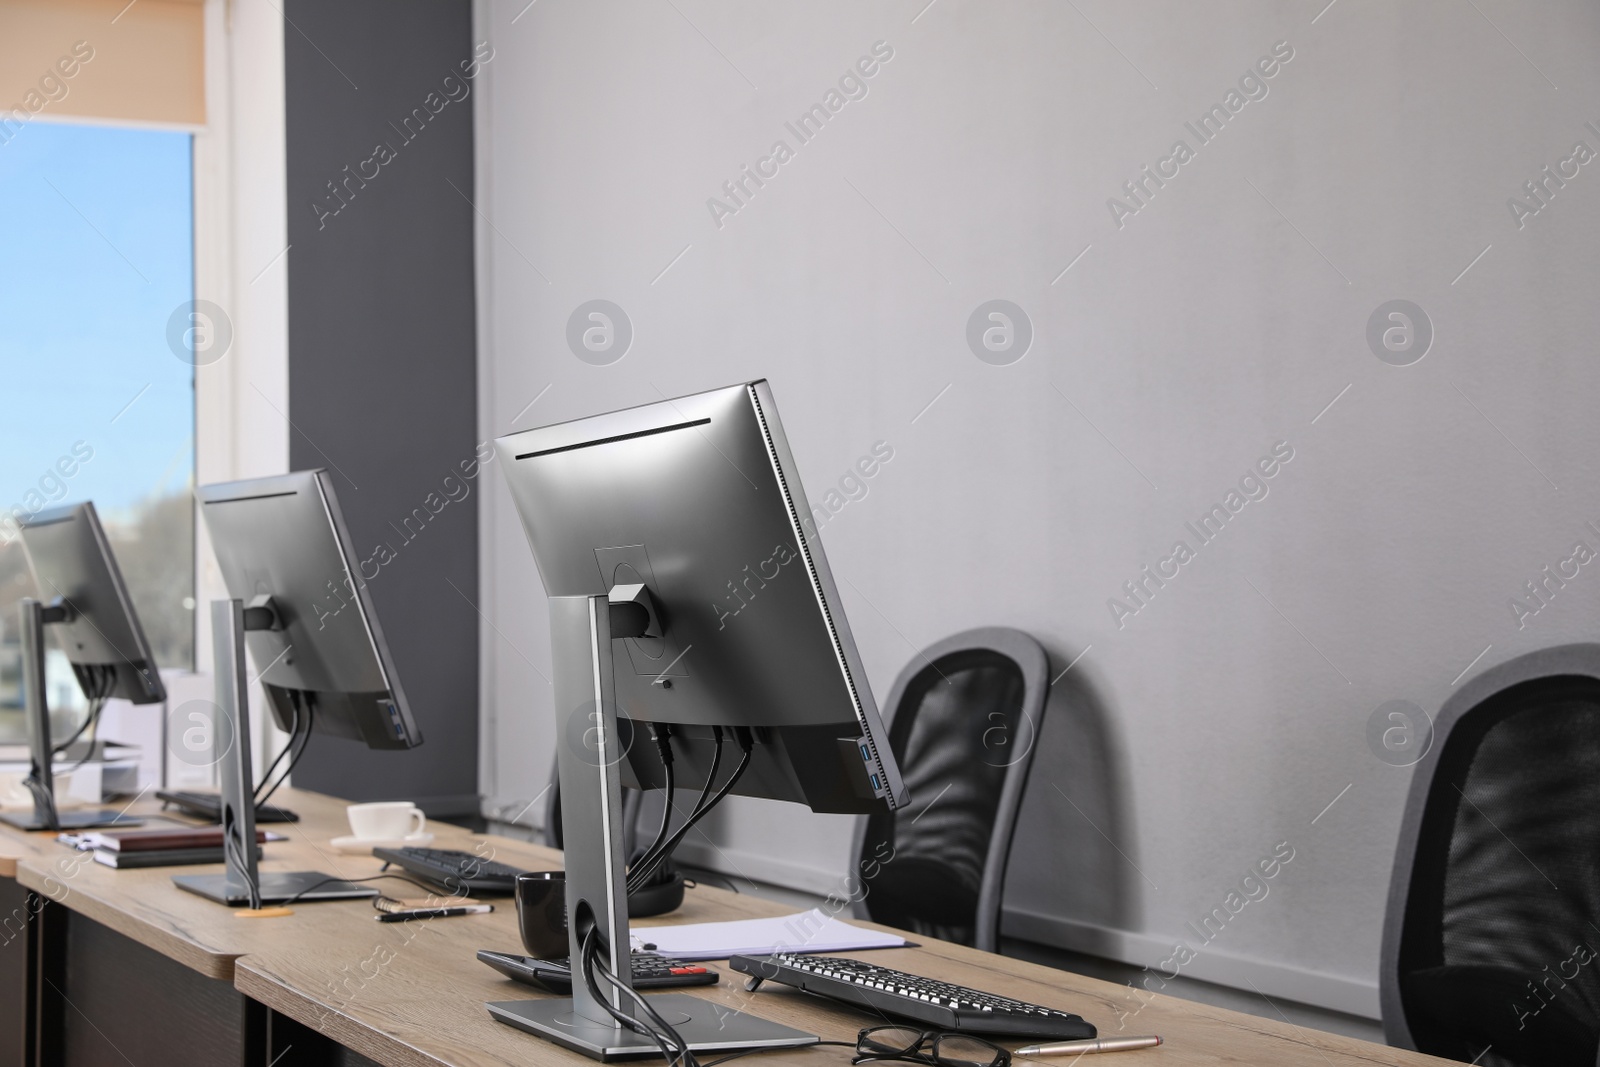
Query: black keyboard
point(650, 971)
point(452, 869)
point(209, 806)
point(933, 1004)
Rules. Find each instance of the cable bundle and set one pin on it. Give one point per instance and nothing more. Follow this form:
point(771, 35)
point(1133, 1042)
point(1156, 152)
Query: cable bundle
point(650, 1023)
point(232, 839)
point(657, 1029)
point(98, 681)
point(662, 847)
point(295, 735)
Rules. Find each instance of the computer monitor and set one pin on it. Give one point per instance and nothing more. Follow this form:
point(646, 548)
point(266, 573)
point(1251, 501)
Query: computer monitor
point(683, 525)
point(284, 537)
point(301, 607)
point(85, 603)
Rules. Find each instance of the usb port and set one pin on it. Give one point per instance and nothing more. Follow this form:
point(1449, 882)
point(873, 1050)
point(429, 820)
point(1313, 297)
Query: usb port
point(866, 754)
point(875, 785)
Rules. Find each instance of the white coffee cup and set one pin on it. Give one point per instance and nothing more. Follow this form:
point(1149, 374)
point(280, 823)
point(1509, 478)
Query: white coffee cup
point(386, 821)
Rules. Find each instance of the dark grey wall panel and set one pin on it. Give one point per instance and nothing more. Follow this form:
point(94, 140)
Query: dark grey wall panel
point(382, 374)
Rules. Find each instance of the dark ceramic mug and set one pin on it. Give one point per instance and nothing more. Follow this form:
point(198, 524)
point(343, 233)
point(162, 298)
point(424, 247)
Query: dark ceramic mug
point(542, 913)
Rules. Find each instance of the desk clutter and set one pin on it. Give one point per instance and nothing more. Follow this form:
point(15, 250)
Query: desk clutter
point(651, 970)
point(166, 846)
point(390, 824)
point(208, 806)
point(805, 931)
point(409, 992)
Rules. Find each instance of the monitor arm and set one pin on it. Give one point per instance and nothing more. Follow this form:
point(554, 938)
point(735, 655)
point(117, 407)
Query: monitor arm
point(230, 621)
point(237, 808)
point(633, 612)
point(262, 614)
point(41, 772)
point(244, 882)
point(41, 775)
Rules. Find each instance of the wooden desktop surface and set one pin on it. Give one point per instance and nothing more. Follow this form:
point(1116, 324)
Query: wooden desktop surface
point(413, 993)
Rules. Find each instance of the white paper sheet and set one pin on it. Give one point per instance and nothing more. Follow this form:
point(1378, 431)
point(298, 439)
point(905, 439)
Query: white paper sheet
point(804, 931)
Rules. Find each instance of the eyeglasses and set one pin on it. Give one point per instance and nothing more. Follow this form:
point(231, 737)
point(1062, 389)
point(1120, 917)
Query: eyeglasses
point(937, 1048)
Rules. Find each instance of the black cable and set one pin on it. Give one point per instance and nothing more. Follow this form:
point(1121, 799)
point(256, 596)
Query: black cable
point(231, 848)
point(663, 739)
point(699, 813)
point(314, 886)
point(657, 1029)
point(294, 734)
point(664, 1030)
point(95, 707)
point(661, 1033)
point(102, 682)
point(305, 740)
point(42, 798)
point(700, 875)
point(588, 954)
point(93, 713)
point(749, 1051)
point(647, 863)
point(291, 748)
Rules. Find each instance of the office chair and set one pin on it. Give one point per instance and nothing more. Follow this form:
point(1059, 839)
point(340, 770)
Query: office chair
point(632, 804)
point(964, 717)
point(1491, 944)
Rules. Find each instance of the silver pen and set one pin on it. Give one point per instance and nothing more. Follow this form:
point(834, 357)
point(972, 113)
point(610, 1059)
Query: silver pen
point(1103, 1044)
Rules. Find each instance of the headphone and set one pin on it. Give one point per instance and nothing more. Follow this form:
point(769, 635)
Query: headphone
point(661, 894)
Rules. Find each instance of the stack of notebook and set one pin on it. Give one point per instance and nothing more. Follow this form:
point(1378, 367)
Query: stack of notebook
point(165, 847)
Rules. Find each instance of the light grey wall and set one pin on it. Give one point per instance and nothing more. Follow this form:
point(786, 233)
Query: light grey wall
point(1222, 318)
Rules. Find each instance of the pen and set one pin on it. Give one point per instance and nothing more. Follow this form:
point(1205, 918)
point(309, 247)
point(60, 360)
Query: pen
point(1104, 1044)
point(433, 913)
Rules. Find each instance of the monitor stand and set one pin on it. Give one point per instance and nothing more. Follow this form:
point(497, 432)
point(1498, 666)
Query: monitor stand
point(588, 754)
point(276, 887)
point(41, 780)
point(228, 624)
point(88, 819)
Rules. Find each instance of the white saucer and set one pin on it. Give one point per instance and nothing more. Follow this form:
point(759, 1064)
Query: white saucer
point(355, 844)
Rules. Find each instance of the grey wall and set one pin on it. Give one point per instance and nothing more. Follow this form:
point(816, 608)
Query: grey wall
point(1181, 347)
point(382, 374)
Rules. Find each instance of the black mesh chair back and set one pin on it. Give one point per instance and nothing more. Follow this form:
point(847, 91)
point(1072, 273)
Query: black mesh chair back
point(632, 805)
point(964, 717)
point(1492, 942)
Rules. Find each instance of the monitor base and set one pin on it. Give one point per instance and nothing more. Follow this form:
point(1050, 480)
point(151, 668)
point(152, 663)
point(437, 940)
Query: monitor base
point(208, 806)
point(96, 819)
point(706, 1026)
point(276, 887)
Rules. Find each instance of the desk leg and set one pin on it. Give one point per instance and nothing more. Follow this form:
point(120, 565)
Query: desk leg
point(19, 955)
point(48, 975)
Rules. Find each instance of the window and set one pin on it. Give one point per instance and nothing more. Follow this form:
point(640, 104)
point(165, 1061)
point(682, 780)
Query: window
point(96, 395)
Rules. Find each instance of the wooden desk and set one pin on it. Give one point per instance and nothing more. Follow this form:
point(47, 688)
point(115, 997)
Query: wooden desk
point(126, 967)
point(422, 1005)
point(413, 993)
point(144, 904)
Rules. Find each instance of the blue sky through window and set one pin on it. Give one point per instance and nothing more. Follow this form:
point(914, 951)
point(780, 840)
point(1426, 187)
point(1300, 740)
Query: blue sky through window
point(98, 252)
